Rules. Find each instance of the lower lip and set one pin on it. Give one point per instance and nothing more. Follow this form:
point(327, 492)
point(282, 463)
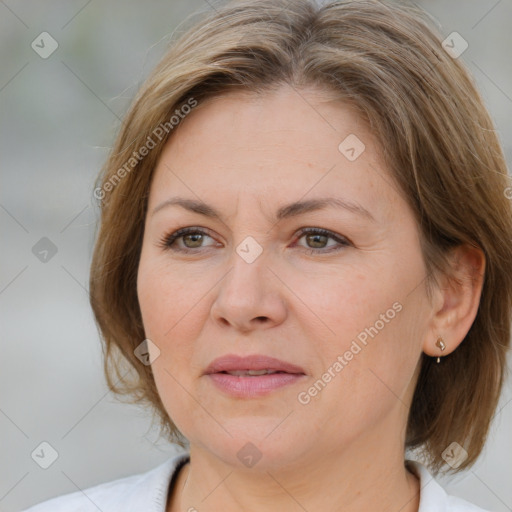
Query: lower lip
point(246, 387)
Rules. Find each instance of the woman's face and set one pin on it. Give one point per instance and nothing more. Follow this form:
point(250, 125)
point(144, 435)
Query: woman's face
point(347, 307)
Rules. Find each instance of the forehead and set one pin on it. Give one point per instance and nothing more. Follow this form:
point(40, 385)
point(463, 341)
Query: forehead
point(279, 146)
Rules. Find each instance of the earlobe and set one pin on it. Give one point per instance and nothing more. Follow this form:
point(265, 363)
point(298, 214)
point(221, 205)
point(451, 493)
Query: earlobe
point(458, 302)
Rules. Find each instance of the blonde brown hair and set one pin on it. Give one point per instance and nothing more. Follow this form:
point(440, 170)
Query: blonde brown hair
point(436, 137)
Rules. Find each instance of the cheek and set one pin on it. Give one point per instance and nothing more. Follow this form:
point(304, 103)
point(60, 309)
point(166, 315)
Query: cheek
point(372, 376)
point(167, 298)
point(335, 303)
point(166, 304)
point(173, 308)
point(369, 317)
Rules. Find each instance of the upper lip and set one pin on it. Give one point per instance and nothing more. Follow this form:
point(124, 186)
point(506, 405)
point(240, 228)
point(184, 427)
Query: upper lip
point(232, 362)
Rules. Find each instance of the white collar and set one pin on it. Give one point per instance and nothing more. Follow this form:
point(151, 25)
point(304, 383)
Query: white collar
point(433, 498)
point(148, 491)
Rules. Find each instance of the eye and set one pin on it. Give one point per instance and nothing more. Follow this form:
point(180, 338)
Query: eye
point(319, 238)
point(192, 238)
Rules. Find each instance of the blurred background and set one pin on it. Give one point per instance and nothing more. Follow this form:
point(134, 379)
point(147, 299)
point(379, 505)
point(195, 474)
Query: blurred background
point(68, 71)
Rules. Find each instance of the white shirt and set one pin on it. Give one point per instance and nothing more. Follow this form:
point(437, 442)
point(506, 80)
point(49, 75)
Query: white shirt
point(147, 492)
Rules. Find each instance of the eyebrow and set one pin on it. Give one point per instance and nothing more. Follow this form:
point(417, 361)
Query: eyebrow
point(287, 211)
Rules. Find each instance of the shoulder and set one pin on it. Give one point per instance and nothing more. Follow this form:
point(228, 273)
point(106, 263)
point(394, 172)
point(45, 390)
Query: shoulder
point(143, 491)
point(433, 498)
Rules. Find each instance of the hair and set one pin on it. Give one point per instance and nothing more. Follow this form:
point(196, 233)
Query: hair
point(435, 135)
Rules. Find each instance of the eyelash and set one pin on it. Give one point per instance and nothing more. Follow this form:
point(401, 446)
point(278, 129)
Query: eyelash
point(168, 240)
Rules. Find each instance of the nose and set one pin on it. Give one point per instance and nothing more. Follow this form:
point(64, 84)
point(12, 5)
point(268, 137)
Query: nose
point(249, 296)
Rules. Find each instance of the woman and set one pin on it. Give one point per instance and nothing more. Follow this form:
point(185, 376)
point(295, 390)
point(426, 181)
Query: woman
point(303, 255)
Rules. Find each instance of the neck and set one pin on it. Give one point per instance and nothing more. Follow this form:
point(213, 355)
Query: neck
point(365, 476)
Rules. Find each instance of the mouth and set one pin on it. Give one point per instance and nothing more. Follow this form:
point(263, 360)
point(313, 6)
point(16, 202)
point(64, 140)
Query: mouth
point(253, 365)
point(252, 373)
point(252, 376)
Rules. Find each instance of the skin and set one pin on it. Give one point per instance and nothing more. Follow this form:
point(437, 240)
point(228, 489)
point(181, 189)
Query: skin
point(247, 155)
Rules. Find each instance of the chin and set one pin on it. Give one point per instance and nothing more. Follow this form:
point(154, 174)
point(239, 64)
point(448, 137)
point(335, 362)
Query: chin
point(255, 443)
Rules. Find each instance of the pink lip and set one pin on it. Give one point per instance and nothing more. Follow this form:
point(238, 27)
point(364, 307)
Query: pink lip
point(231, 362)
point(252, 386)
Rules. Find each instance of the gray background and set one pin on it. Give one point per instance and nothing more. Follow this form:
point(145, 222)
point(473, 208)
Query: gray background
point(58, 116)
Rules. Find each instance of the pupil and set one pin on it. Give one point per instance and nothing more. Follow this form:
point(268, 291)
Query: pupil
point(197, 235)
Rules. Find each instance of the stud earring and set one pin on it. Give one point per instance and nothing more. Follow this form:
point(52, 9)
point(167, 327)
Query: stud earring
point(440, 344)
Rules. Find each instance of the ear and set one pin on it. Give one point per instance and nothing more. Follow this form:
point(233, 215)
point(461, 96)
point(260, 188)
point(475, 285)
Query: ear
point(456, 301)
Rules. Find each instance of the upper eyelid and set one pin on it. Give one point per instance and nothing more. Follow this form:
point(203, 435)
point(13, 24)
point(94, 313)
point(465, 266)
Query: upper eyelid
point(301, 231)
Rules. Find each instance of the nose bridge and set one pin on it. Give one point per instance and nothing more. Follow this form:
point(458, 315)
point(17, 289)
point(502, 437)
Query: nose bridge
point(244, 282)
point(247, 294)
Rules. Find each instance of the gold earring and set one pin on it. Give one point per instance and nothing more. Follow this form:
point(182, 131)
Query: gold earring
point(440, 344)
